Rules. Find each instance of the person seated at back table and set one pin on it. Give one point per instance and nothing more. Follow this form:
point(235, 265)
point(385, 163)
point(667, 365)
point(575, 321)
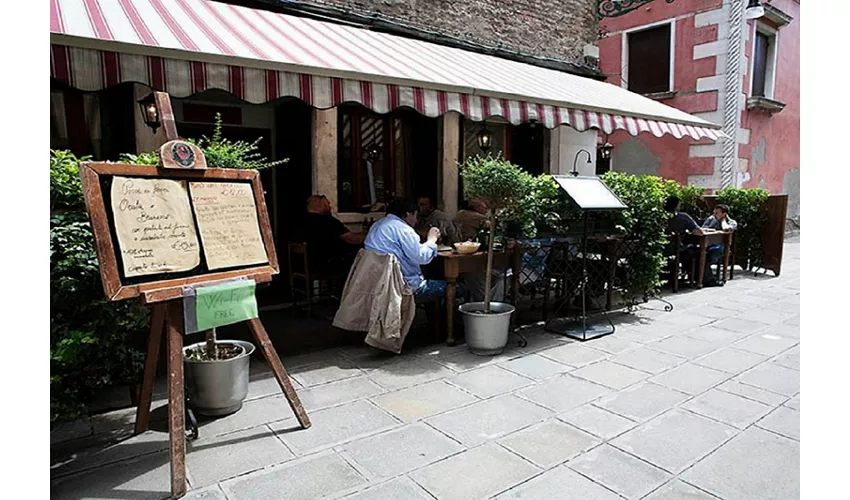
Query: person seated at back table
point(719, 221)
point(469, 219)
point(331, 246)
point(429, 216)
point(681, 223)
point(394, 234)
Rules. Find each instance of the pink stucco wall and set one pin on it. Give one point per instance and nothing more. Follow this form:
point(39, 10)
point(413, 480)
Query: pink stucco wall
point(773, 151)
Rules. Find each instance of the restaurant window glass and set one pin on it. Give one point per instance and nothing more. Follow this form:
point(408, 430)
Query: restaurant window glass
point(373, 158)
point(649, 66)
point(764, 63)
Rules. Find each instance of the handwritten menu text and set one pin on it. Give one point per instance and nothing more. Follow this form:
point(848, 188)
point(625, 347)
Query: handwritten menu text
point(227, 221)
point(154, 226)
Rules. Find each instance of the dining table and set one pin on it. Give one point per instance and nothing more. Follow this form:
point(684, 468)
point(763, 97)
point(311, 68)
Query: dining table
point(455, 264)
point(703, 241)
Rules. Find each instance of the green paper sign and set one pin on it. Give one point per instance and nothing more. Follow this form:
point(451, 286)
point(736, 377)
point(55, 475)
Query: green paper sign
point(225, 304)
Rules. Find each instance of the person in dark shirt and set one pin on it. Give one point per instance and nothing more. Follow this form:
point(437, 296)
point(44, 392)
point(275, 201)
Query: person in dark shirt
point(681, 223)
point(331, 246)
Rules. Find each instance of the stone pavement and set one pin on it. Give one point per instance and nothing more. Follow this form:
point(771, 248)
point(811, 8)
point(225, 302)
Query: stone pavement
point(699, 403)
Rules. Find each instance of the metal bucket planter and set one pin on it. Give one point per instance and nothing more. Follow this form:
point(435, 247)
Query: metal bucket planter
point(486, 334)
point(218, 387)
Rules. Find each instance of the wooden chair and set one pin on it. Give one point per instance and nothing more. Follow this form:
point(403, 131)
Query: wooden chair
point(302, 280)
point(676, 261)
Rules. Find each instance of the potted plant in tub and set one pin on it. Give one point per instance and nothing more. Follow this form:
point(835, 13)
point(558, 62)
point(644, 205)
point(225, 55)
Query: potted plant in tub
point(218, 373)
point(502, 185)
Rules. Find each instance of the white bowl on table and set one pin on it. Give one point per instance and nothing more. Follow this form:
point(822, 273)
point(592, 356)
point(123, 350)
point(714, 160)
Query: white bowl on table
point(467, 247)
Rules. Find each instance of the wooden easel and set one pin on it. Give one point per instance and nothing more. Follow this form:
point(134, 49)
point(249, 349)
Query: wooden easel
point(167, 318)
point(165, 295)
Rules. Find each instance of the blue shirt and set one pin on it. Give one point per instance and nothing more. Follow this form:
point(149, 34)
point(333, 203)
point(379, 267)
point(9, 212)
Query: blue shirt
point(392, 235)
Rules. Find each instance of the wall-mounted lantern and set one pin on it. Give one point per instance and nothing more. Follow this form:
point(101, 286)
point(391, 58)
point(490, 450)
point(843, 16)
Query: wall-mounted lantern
point(150, 113)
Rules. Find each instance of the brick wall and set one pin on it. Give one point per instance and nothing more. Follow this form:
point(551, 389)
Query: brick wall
point(557, 29)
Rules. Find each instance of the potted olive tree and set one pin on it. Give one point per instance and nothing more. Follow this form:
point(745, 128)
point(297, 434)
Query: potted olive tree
point(502, 185)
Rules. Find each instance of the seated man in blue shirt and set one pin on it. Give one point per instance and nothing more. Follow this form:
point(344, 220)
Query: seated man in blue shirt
point(720, 221)
point(394, 234)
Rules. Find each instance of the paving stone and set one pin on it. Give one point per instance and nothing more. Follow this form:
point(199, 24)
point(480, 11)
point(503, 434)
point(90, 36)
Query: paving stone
point(766, 344)
point(395, 452)
point(730, 360)
point(773, 378)
point(406, 372)
point(685, 321)
point(713, 312)
point(477, 473)
point(400, 488)
point(536, 367)
point(690, 378)
point(728, 408)
point(782, 420)
point(717, 336)
point(335, 393)
point(755, 465)
point(679, 490)
point(265, 385)
point(610, 374)
point(425, 400)
point(489, 419)
point(596, 421)
point(322, 373)
point(210, 493)
point(334, 426)
point(136, 446)
point(660, 442)
point(793, 403)
point(740, 325)
point(642, 334)
point(68, 431)
point(465, 360)
point(795, 320)
point(783, 330)
point(613, 344)
point(549, 443)
point(252, 414)
point(214, 459)
point(490, 381)
point(766, 316)
point(618, 471)
point(574, 354)
point(789, 359)
point(306, 479)
point(686, 347)
point(555, 483)
point(564, 393)
point(143, 478)
point(642, 401)
point(648, 360)
point(747, 391)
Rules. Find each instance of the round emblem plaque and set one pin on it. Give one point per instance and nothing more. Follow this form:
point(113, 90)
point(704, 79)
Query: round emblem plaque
point(183, 155)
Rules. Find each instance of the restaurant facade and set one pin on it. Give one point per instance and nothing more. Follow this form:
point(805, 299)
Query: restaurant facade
point(362, 112)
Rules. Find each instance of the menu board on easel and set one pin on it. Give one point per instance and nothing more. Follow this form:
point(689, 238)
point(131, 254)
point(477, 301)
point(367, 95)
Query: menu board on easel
point(159, 228)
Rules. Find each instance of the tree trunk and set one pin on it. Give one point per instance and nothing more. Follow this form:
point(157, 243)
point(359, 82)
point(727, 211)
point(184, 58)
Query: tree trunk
point(211, 351)
point(488, 289)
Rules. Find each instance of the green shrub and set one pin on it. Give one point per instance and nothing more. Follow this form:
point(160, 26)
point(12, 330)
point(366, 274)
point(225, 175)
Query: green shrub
point(221, 152)
point(544, 208)
point(643, 222)
point(746, 206)
point(89, 348)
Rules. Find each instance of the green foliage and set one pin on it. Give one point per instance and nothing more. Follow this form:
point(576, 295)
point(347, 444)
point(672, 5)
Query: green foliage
point(544, 208)
point(221, 152)
point(691, 199)
point(496, 180)
point(644, 221)
point(148, 158)
point(66, 191)
point(89, 348)
point(746, 206)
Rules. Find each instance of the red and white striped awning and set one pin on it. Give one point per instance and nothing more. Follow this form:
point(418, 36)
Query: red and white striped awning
point(187, 46)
